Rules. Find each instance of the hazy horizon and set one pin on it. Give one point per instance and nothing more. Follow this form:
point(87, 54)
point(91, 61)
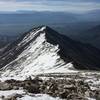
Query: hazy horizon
point(73, 6)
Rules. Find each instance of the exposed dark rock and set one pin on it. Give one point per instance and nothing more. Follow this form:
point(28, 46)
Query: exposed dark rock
point(32, 88)
point(97, 95)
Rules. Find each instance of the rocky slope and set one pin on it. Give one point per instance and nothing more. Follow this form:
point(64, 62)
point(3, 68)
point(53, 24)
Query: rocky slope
point(78, 86)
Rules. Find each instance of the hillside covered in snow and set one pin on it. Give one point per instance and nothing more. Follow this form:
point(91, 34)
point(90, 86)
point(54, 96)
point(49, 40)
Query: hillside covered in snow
point(45, 65)
point(43, 50)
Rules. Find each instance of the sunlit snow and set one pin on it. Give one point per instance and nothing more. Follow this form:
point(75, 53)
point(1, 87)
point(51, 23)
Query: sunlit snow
point(10, 93)
point(39, 57)
point(38, 97)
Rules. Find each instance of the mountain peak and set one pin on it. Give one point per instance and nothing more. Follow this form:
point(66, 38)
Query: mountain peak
point(42, 49)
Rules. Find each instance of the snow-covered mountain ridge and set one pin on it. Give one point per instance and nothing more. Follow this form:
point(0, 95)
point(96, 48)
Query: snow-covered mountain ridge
point(43, 50)
point(39, 56)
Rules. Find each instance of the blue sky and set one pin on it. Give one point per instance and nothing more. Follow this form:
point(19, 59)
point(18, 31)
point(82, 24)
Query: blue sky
point(78, 6)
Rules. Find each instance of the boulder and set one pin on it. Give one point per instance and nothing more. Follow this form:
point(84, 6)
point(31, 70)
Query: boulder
point(5, 86)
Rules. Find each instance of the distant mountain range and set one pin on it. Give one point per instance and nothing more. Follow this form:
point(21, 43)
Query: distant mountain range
point(76, 26)
point(91, 36)
point(33, 17)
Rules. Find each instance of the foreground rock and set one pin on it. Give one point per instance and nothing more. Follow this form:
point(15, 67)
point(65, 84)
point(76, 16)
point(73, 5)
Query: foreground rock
point(70, 89)
point(5, 86)
point(12, 97)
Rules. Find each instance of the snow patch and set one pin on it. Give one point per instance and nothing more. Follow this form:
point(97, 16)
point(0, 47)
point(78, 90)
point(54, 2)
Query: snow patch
point(38, 97)
point(10, 92)
point(26, 96)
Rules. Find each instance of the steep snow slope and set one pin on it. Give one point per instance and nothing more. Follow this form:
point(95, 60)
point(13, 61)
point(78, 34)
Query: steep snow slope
point(38, 57)
point(43, 50)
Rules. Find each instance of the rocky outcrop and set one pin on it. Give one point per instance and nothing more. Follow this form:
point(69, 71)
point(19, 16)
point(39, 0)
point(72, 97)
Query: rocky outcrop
point(12, 97)
point(69, 89)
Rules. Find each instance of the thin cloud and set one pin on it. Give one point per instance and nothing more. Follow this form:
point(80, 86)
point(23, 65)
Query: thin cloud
point(6, 0)
point(49, 5)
